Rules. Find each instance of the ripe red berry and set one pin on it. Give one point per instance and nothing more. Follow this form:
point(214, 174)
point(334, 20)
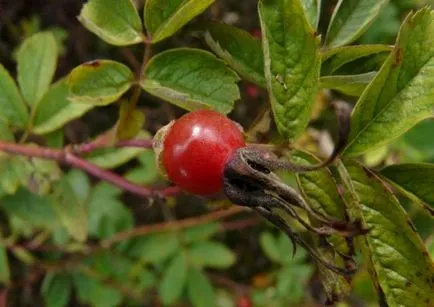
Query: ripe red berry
point(196, 149)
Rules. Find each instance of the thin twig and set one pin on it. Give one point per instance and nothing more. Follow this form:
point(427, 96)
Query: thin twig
point(171, 226)
point(66, 157)
point(100, 144)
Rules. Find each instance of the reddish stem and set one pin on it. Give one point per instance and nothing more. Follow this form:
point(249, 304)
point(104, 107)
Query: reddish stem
point(66, 157)
point(99, 144)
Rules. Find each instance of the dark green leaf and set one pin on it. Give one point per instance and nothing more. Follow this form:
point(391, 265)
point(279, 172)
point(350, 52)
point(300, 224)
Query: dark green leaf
point(200, 233)
point(34, 209)
point(56, 289)
point(398, 261)
point(99, 82)
point(164, 18)
point(351, 19)
point(95, 292)
point(239, 49)
point(174, 279)
point(415, 180)
point(403, 89)
point(335, 58)
point(211, 254)
point(192, 79)
point(70, 209)
point(115, 21)
point(155, 248)
point(13, 109)
point(37, 60)
point(55, 109)
point(292, 64)
point(312, 10)
point(352, 85)
point(200, 289)
point(270, 247)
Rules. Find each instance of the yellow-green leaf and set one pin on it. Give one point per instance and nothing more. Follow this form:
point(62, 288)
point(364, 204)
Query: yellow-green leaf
point(55, 109)
point(99, 82)
point(115, 21)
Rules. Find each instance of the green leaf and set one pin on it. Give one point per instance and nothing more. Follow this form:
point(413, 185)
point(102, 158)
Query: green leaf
point(415, 180)
point(55, 109)
point(14, 172)
point(5, 134)
point(321, 193)
point(335, 58)
point(399, 264)
point(34, 209)
point(107, 214)
point(351, 19)
point(70, 210)
point(114, 157)
point(292, 63)
point(312, 10)
point(270, 246)
point(402, 93)
point(130, 122)
point(164, 18)
point(200, 233)
point(99, 82)
point(192, 79)
point(55, 139)
point(200, 290)
point(14, 111)
point(147, 172)
point(37, 60)
point(319, 187)
point(174, 279)
point(95, 292)
point(155, 248)
point(115, 21)
point(352, 85)
point(211, 254)
point(5, 274)
point(80, 184)
point(239, 49)
point(418, 139)
point(56, 289)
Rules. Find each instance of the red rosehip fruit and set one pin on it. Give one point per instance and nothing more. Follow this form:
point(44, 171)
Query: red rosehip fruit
point(196, 148)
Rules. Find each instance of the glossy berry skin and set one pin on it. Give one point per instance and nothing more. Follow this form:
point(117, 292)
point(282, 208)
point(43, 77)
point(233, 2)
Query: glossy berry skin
point(196, 149)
